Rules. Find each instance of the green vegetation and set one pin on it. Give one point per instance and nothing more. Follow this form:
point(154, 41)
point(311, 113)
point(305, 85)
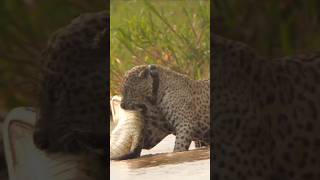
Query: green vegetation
point(274, 28)
point(25, 26)
point(173, 33)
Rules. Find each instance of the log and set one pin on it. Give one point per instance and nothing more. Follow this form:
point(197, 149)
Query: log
point(166, 158)
point(187, 165)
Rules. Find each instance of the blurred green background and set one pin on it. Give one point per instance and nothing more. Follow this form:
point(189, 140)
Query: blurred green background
point(174, 33)
point(25, 26)
point(274, 28)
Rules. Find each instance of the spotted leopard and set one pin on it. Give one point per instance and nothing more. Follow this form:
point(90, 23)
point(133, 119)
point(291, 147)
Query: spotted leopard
point(73, 88)
point(265, 114)
point(183, 102)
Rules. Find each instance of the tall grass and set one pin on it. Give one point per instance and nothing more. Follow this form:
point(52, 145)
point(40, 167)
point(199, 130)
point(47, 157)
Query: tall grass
point(175, 34)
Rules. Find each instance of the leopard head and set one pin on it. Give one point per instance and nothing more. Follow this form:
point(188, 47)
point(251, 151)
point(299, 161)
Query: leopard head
point(140, 85)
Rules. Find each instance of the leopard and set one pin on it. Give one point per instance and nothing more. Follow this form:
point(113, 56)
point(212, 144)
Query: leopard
point(144, 125)
point(73, 87)
point(183, 102)
point(264, 114)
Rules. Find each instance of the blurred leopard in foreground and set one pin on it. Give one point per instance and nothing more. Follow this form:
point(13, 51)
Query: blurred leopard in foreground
point(265, 114)
point(183, 102)
point(73, 88)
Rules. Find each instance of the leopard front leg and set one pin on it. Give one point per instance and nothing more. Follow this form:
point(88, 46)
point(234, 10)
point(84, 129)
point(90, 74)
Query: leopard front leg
point(183, 138)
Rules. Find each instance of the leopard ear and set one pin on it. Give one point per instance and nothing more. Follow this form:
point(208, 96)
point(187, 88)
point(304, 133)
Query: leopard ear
point(150, 70)
point(144, 73)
